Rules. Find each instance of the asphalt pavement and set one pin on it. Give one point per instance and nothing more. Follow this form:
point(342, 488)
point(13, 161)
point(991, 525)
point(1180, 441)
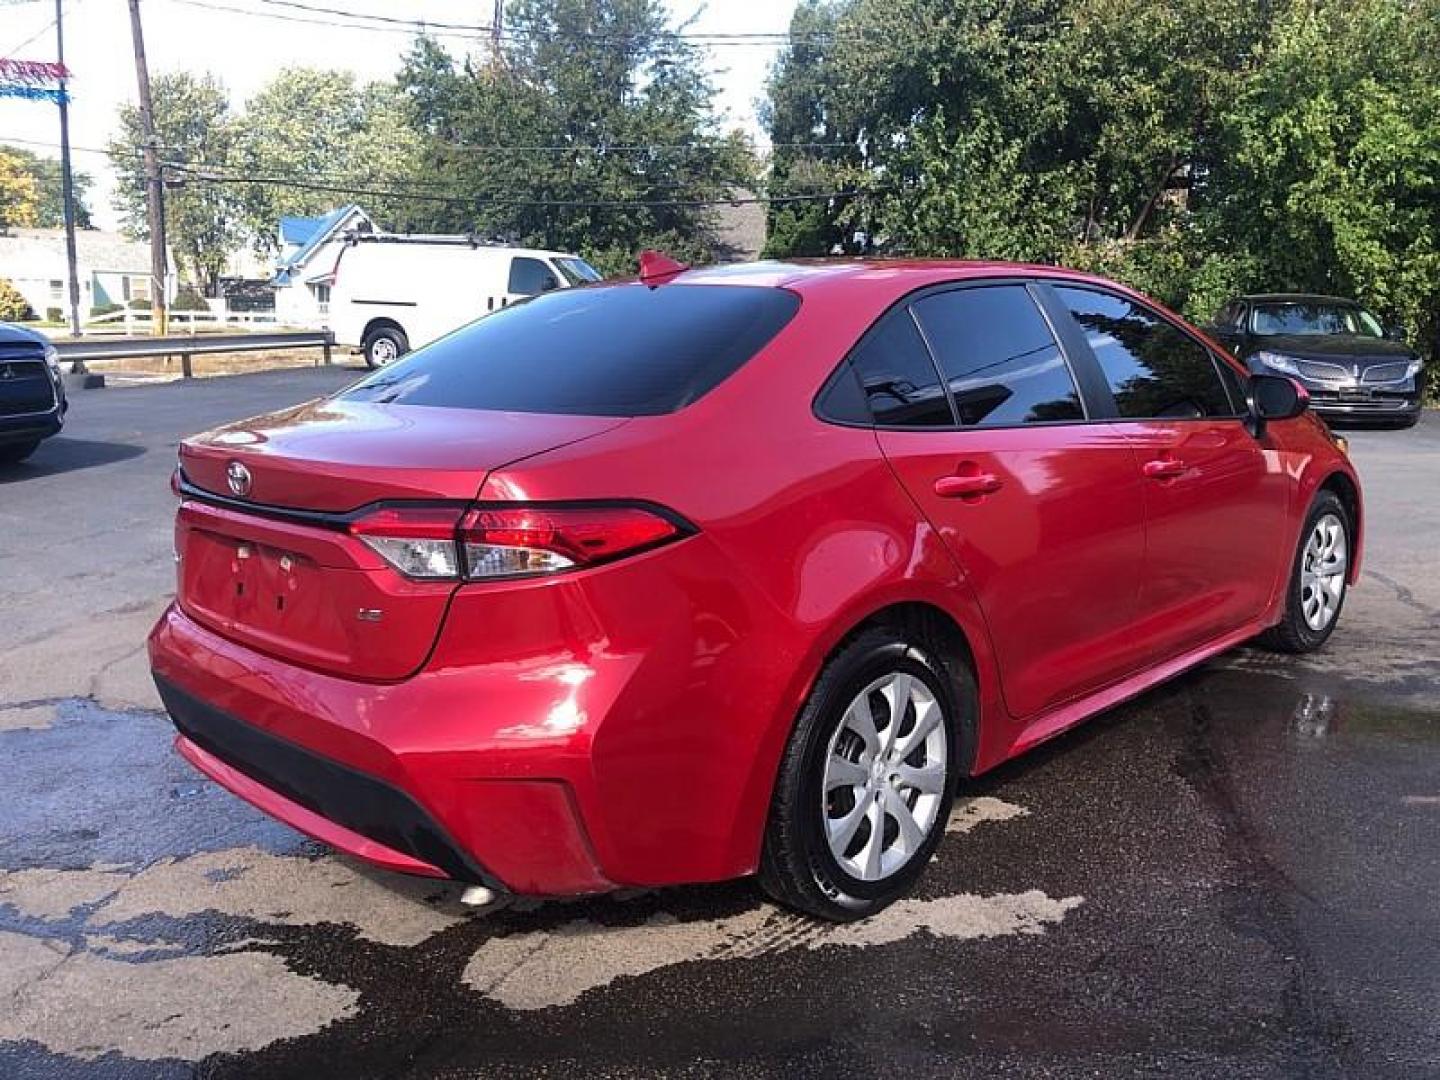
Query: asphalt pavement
point(1235, 875)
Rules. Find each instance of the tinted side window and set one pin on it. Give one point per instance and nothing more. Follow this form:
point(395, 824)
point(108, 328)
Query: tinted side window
point(605, 350)
point(999, 357)
point(530, 277)
point(1154, 370)
point(898, 376)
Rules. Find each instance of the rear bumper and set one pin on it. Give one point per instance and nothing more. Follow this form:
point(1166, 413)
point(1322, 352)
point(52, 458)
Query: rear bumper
point(19, 429)
point(614, 728)
point(406, 805)
point(322, 798)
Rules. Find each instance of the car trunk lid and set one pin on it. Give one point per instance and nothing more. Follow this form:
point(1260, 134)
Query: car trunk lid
point(265, 555)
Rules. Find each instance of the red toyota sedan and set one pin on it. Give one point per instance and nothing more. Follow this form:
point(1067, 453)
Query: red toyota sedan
point(732, 571)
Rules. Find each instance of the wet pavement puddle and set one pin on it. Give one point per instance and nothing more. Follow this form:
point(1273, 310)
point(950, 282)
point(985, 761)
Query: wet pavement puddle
point(154, 925)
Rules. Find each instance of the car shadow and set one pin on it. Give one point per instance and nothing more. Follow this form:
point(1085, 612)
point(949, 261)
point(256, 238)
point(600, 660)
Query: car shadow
point(62, 454)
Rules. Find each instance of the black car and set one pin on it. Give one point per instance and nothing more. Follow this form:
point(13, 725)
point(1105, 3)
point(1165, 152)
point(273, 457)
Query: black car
point(1353, 367)
point(32, 394)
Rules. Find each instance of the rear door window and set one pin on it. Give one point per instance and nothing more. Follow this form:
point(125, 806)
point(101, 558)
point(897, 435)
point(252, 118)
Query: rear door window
point(531, 277)
point(998, 356)
point(1155, 371)
point(608, 350)
point(898, 377)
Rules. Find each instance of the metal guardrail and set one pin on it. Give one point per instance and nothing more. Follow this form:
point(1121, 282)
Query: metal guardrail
point(187, 345)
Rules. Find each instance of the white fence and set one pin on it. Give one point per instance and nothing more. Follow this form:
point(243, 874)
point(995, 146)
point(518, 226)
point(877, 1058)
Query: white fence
point(127, 321)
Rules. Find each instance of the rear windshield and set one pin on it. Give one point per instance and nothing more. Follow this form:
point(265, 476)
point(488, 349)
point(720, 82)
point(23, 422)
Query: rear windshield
point(617, 350)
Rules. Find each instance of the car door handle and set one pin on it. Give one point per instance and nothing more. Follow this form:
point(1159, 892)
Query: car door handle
point(958, 487)
point(1165, 468)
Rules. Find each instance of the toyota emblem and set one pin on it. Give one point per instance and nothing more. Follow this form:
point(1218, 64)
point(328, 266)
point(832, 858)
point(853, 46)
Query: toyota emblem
point(238, 477)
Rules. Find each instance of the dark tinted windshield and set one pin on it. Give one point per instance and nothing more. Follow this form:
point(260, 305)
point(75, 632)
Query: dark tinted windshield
point(621, 350)
point(1314, 319)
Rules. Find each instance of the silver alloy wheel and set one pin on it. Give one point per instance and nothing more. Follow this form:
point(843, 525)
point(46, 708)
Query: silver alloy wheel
point(1323, 566)
point(885, 773)
point(383, 350)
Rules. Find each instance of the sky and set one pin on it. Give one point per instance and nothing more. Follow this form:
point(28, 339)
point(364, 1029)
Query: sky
point(246, 50)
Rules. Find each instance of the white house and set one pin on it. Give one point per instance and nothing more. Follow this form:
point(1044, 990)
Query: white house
point(305, 267)
point(112, 269)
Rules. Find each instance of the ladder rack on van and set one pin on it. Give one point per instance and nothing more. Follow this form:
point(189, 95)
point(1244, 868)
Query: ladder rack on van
point(439, 239)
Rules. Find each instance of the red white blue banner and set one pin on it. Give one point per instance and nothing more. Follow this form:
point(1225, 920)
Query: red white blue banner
point(38, 80)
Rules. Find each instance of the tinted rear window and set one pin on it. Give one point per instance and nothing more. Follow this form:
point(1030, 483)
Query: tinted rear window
point(622, 350)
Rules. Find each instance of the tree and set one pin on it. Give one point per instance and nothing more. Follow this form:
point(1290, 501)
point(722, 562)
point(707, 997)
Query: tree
point(1194, 149)
point(623, 101)
point(49, 199)
point(196, 133)
point(13, 305)
point(1331, 176)
point(19, 193)
point(810, 145)
point(310, 132)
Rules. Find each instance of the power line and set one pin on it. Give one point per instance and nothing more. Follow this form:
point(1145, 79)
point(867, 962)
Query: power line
point(341, 18)
point(201, 171)
point(32, 38)
point(382, 193)
point(533, 148)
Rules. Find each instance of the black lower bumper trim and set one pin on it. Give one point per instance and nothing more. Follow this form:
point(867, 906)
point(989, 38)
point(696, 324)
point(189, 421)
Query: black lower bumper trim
point(350, 798)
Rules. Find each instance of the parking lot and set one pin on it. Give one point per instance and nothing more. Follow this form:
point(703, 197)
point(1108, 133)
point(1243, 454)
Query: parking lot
point(1233, 875)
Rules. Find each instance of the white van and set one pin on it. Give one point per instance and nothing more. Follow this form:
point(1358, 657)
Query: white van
point(391, 294)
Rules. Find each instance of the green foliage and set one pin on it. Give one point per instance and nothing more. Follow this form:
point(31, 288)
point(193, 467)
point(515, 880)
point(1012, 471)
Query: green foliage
point(105, 309)
point(49, 205)
point(13, 307)
point(195, 128)
point(596, 78)
point(319, 128)
point(19, 193)
point(187, 299)
point(1194, 149)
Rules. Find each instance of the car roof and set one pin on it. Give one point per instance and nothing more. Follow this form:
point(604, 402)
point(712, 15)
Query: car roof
point(895, 276)
point(1298, 298)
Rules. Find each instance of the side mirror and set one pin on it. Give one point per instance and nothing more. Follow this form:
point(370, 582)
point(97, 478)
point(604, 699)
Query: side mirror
point(1275, 397)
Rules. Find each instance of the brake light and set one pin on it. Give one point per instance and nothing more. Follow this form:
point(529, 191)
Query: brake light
point(441, 543)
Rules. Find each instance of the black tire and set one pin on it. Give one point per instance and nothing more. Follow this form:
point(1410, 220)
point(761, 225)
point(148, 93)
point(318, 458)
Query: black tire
point(797, 867)
point(13, 453)
point(1292, 634)
point(384, 345)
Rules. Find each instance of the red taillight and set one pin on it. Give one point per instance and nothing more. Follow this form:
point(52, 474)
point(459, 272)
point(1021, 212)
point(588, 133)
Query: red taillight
point(413, 522)
point(501, 541)
point(438, 543)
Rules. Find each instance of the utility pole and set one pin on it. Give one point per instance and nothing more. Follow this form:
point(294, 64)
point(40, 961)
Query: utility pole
point(67, 187)
point(154, 184)
point(497, 31)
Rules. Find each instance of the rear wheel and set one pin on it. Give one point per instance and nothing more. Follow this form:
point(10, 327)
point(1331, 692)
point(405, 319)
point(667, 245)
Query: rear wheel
point(384, 345)
point(867, 779)
point(1316, 591)
point(10, 453)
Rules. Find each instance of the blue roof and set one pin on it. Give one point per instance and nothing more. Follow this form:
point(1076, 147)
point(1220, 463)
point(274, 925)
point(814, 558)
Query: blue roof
point(297, 230)
point(320, 230)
